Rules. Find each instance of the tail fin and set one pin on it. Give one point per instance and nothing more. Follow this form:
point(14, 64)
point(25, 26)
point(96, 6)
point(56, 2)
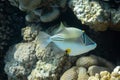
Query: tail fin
point(43, 39)
point(87, 41)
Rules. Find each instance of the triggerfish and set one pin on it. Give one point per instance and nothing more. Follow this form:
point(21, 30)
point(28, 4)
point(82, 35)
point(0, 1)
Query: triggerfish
point(69, 39)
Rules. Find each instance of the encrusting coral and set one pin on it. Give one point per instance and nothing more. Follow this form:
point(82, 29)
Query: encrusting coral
point(40, 10)
point(86, 67)
point(29, 61)
point(30, 32)
point(105, 75)
point(5, 34)
point(97, 14)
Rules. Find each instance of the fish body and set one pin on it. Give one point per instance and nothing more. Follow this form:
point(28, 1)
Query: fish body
point(72, 40)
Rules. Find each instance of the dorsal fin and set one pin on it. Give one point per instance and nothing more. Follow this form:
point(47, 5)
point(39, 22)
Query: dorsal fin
point(61, 28)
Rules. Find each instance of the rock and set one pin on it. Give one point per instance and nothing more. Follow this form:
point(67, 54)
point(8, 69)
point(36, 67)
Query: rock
point(30, 32)
point(103, 62)
point(28, 60)
point(52, 15)
point(82, 74)
point(116, 73)
point(91, 68)
point(87, 61)
point(96, 77)
point(105, 75)
point(93, 78)
point(6, 32)
point(43, 71)
point(75, 73)
point(70, 74)
point(96, 69)
point(20, 59)
point(97, 14)
point(5, 35)
point(40, 10)
point(51, 62)
point(117, 69)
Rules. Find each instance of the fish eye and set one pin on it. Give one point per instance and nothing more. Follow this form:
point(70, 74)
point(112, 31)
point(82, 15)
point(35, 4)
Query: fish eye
point(68, 50)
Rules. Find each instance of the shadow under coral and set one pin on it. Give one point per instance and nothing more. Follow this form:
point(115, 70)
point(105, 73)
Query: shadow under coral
point(11, 22)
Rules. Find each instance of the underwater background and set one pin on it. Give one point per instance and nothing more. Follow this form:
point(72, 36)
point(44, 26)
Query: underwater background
point(12, 20)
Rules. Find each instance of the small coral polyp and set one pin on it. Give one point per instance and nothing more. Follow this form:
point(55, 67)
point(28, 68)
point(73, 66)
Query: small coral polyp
point(40, 10)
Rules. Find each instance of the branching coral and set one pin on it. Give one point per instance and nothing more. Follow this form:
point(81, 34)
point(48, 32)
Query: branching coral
point(40, 10)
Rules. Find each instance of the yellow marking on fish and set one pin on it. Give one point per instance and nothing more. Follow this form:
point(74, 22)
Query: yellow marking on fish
point(83, 30)
point(68, 50)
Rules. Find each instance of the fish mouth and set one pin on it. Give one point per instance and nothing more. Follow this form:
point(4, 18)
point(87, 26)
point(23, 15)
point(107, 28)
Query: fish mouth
point(87, 41)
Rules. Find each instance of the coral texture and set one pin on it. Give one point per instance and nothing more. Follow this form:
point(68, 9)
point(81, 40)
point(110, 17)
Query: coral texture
point(5, 34)
point(28, 60)
point(30, 32)
point(92, 66)
point(8, 31)
point(105, 75)
point(97, 14)
point(40, 10)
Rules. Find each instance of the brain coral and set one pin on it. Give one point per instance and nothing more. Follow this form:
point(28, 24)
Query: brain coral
point(40, 10)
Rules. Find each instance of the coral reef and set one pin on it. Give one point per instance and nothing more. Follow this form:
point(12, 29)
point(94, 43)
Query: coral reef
point(30, 32)
point(97, 14)
point(5, 34)
point(40, 10)
point(70, 74)
point(20, 59)
point(105, 75)
point(8, 30)
point(92, 66)
point(5, 37)
point(88, 61)
point(28, 60)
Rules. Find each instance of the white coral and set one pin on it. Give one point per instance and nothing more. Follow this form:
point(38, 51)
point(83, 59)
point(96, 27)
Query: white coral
point(95, 13)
